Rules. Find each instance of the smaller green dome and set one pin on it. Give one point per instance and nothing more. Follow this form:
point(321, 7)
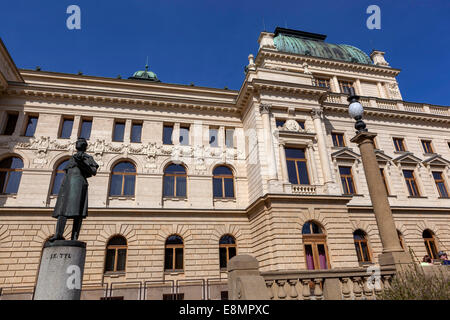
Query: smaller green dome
point(145, 75)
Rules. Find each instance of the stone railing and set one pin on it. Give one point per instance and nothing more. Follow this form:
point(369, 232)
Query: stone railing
point(335, 284)
point(303, 189)
point(338, 98)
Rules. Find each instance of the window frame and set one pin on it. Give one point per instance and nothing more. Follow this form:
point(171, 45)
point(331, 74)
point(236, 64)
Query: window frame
point(175, 175)
point(83, 120)
point(133, 124)
point(116, 249)
point(5, 126)
point(383, 176)
point(55, 172)
point(28, 117)
point(172, 127)
point(116, 122)
point(441, 180)
point(396, 145)
point(223, 177)
point(8, 175)
point(123, 174)
point(346, 176)
point(359, 242)
point(63, 119)
point(188, 127)
point(431, 253)
point(227, 246)
point(323, 80)
point(336, 141)
point(174, 247)
point(427, 146)
point(409, 184)
point(314, 240)
point(305, 160)
point(342, 84)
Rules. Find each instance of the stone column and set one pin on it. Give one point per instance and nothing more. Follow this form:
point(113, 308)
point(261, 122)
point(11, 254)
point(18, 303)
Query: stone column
point(284, 170)
point(61, 270)
point(358, 87)
point(264, 109)
point(336, 84)
point(381, 90)
point(392, 253)
point(323, 153)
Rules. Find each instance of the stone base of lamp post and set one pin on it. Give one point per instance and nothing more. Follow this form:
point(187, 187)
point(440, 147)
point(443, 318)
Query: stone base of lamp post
point(61, 270)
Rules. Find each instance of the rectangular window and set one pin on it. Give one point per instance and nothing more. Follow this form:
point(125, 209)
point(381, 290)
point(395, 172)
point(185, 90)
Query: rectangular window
point(213, 137)
point(345, 86)
point(296, 165)
point(348, 186)
point(136, 132)
point(11, 122)
point(167, 134)
point(229, 138)
point(399, 144)
point(322, 82)
point(384, 180)
point(427, 148)
point(31, 126)
point(440, 184)
point(66, 128)
point(184, 135)
point(119, 131)
point(86, 126)
point(338, 139)
point(411, 183)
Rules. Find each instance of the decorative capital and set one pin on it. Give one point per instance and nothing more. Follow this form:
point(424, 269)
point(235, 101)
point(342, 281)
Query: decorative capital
point(265, 108)
point(316, 113)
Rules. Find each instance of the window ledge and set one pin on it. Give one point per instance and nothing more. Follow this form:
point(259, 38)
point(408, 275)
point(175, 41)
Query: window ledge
point(400, 152)
point(417, 197)
point(5, 195)
point(224, 199)
point(392, 196)
point(112, 274)
point(122, 198)
point(174, 273)
point(353, 194)
point(175, 199)
point(443, 197)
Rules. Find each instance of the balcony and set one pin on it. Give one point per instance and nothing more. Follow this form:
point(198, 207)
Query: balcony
point(303, 189)
point(386, 104)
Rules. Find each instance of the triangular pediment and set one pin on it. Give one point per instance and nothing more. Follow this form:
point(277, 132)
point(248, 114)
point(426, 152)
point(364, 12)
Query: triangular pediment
point(345, 154)
point(407, 158)
point(436, 161)
point(382, 157)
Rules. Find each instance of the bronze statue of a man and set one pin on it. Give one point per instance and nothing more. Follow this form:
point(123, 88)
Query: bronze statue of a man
point(72, 202)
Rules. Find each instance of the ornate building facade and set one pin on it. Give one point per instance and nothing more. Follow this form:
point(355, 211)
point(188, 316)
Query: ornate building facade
point(189, 176)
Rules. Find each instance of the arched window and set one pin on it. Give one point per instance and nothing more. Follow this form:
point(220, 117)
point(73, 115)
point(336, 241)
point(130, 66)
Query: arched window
point(430, 243)
point(173, 255)
point(227, 249)
point(58, 177)
point(400, 238)
point(315, 246)
point(10, 175)
point(361, 246)
point(223, 182)
point(174, 181)
point(123, 179)
point(116, 254)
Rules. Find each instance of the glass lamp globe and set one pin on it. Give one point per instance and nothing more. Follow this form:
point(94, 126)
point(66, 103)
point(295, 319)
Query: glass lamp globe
point(355, 109)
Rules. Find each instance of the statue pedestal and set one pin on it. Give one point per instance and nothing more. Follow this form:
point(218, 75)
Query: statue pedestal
point(61, 270)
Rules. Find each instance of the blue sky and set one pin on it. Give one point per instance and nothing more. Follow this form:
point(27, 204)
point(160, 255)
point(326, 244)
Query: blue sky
point(207, 42)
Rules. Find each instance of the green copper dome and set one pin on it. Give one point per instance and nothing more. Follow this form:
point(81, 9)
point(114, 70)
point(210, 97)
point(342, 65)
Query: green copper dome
point(145, 75)
point(311, 44)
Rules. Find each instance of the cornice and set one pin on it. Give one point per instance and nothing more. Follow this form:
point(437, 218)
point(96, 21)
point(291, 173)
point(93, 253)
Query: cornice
point(127, 98)
point(263, 53)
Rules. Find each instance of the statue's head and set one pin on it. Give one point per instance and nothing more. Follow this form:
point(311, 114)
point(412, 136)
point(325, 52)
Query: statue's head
point(81, 144)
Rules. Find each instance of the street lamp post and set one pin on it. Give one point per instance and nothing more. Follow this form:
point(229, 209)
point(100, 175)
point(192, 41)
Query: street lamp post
point(392, 254)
